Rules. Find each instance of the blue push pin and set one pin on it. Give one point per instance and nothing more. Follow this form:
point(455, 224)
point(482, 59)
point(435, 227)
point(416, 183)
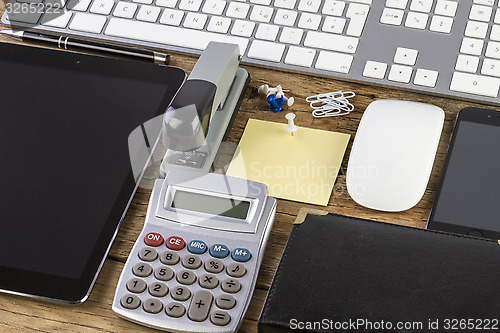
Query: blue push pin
point(275, 97)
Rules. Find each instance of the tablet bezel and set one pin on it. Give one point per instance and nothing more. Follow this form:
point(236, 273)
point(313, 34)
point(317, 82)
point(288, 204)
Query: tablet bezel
point(57, 288)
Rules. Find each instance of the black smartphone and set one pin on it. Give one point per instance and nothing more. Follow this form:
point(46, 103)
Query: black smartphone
point(468, 198)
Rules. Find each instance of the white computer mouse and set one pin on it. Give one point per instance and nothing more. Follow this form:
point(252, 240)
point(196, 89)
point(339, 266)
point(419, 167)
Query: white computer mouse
point(393, 153)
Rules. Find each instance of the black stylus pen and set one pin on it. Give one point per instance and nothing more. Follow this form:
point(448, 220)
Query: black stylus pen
point(68, 43)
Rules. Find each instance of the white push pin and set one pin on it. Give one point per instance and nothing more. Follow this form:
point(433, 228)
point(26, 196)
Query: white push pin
point(291, 126)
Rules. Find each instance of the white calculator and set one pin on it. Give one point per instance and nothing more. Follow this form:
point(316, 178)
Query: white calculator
point(195, 264)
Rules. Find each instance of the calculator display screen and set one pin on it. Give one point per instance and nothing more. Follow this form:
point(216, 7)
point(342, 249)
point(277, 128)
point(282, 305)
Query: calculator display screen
point(209, 204)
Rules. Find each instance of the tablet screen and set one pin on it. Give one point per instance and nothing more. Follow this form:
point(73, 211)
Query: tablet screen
point(65, 173)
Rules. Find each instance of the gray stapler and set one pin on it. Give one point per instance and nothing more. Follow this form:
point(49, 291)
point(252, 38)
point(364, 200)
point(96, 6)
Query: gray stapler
point(201, 113)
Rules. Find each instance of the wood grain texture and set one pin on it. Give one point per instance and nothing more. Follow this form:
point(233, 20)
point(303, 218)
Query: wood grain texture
point(19, 314)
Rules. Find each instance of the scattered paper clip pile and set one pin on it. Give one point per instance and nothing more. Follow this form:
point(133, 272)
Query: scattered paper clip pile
point(331, 104)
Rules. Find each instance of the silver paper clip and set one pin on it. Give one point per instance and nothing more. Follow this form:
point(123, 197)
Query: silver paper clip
point(331, 104)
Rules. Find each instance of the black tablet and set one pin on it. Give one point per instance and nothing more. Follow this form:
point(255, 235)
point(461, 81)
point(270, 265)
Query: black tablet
point(65, 172)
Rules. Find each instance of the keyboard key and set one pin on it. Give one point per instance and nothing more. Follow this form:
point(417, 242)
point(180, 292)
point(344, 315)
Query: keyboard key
point(191, 261)
point(57, 20)
point(125, 10)
point(215, 7)
point(158, 289)
point(164, 273)
point(476, 29)
point(190, 5)
point(423, 6)
point(289, 4)
point(472, 46)
point(333, 7)
point(416, 20)
point(152, 305)
point(441, 24)
point(172, 17)
point(169, 258)
point(195, 21)
point(219, 24)
point(285, 17)
point(180, 293)
point(130, 301)
point(392, 16)
point(236, 270)
point(200, 305)
point(309, 21)
point(103, 7)
point(186, 277)
point(300, 56)
point(311, 6)
point(136, 285)
point(25, 13)
point(475, 84)
point(79, 5)
point(291, 36)
point(148, 13)
point(467, 63)
point(166, 3)
point(491, 67)
point(88, 23)
point(175, 310)
point(334, 62)
point(405, 56)
point(375, 69)
point(400, 4)
point(238, 10)
point(148, 254)
point(493, 50)
point(480, 13)
point(208, 281)
point(226, 302)
point(331, 42)
point(495, 32)
point(267, 32)
point(261, 14)
point(265, 51)
point(214, 266)
point(446, 8)
point(142, 269)
point(243, 28)
point(358, 14)
point(399, 73)
point(261, 2)
point(334, 25)
point(231, 286)
point(426, 78)
point(485, 2)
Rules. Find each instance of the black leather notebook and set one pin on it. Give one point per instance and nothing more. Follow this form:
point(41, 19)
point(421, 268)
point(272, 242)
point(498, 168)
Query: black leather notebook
point(342, 274)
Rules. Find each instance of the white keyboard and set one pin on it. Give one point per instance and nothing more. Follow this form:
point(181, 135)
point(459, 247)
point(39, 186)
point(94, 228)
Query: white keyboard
point(441, 47)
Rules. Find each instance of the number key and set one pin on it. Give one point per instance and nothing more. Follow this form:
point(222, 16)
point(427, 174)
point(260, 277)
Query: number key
point(136, 285)
point(148, 254)
point(180, 293)
point(142, 269)
point(130, 301)
point(186, 277)
point(164, 273)
point(191, 261)
point(158, 289)
point(169, 258)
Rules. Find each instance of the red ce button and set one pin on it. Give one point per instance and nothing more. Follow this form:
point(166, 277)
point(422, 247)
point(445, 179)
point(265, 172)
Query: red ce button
point(175, 243)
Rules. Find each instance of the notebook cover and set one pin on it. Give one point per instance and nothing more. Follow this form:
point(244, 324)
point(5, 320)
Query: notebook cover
point(337, 269)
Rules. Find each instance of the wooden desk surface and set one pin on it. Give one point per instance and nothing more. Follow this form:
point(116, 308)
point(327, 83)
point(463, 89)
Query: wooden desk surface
point(18, 314)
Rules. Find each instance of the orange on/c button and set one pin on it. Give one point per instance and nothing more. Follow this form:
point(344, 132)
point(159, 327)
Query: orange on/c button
point(175, 243)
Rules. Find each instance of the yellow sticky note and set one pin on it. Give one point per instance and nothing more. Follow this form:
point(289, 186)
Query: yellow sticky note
point(302, 167)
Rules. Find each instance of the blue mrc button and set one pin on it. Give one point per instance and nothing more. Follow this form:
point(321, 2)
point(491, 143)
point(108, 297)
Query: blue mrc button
point(219, 251)
point(241, 255)
point(197, 247)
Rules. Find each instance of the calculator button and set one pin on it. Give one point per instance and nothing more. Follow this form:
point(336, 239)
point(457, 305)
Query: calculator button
point(214, 266)
point(136, 285)
point(152, 305)
point(169, 258)
point(158, 289)
point(130, 301)
point(225, 302)
point(175, 310)
point(142, 269)
point(197, 247)
point(175, 243)
point(220, 318)
point(153, 239)
point(191, 261)
point(241, 255)
point(164, 273)
point(186, 277)
point(219, 251)
point(208, 281)
point(200, 305)
point(148, 254)
point(231, 286)
point(180, 293)
point(236, 270)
